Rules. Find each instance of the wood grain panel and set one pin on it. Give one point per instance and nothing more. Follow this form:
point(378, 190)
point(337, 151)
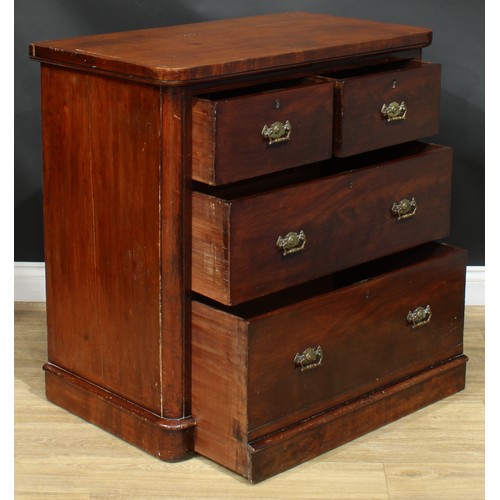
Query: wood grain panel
point(101, 175)
point(211, 258)
point(125, 157)
point(74, 333)
point(204, 140)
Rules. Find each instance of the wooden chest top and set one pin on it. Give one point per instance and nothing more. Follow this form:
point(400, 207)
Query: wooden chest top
point(194, 52)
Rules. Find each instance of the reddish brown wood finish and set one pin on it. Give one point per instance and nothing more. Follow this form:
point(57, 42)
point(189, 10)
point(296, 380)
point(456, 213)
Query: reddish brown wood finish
point(111, 264)
point(166, 439)
point(71, 276)
point(175, 217)
point(346, 218)
point(180, 54)
point(101, 177)
point(122, 141)
point(360, 125)
point(310, 438)
point(226, 382)
point(365, 337)
point(228, 145)
point(244, 356)
point(219, 385)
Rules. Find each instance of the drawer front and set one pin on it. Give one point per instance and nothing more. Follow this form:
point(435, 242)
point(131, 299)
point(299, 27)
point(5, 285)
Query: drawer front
point(322, 351)
point(251, 246)
point(391, 107)
point(240, 137)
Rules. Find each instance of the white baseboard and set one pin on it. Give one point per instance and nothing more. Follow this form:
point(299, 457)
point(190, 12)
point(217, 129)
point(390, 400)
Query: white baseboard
point(475, 286)
point(29, 283)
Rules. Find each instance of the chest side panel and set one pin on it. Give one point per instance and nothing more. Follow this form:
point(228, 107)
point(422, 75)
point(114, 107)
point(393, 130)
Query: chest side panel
point(101, 209)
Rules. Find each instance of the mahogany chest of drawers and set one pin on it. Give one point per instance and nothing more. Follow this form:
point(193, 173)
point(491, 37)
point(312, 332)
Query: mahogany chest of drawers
point(240, 235)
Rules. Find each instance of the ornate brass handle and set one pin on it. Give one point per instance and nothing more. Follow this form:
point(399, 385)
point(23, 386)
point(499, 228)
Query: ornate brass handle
point(292, 242)
point(404, 209)
point(277, 132)
point(394, 111)
point(310, 358)
point(420, 316)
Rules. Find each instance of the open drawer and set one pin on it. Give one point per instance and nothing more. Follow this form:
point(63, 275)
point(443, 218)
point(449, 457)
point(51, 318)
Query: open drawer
point(249, 132)
point(382, 107)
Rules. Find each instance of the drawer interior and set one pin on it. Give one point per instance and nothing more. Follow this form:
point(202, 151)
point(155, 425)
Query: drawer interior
point(263, 88)
point(238, 92)
point(402, 65)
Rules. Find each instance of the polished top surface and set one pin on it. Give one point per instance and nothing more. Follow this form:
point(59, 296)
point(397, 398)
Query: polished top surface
point(200, 51)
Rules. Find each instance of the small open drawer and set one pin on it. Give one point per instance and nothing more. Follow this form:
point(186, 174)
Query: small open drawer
point(249, 132)
point(382, 107)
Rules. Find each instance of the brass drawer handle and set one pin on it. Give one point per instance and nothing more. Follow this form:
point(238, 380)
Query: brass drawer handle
point(277, 132)
point(394, 111)
point(291, 243)
point(420, 316)
point(404, 209)
point(310, 358)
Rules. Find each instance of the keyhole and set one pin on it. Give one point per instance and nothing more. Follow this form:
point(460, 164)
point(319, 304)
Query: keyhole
point(277, 104)
point(394, 82)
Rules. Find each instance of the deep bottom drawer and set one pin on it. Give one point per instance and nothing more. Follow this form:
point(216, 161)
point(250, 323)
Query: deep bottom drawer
point(264, 365)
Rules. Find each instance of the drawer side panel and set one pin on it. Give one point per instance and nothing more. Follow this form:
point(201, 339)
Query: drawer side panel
point(219, 386)
point(211, 248)
point(203, 140)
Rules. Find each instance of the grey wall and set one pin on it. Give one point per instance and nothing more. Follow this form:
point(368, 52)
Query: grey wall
point(458, 45)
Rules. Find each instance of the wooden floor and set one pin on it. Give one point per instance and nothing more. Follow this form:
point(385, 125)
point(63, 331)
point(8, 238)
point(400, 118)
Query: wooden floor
point(434, 454)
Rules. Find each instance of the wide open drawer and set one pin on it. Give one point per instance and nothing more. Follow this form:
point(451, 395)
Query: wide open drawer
point(247, 244)
point(282, 358)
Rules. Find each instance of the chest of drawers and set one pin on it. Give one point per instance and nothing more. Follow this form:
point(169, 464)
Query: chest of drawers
point(240, 235)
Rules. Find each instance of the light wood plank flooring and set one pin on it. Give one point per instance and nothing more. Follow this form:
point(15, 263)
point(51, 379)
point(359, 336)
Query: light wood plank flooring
point(434, 454)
